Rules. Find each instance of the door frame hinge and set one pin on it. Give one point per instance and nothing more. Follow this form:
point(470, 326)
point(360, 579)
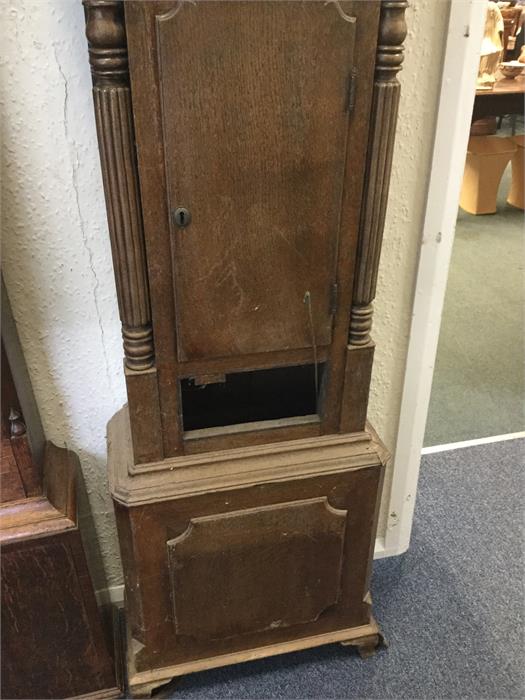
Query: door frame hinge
point(352, 87)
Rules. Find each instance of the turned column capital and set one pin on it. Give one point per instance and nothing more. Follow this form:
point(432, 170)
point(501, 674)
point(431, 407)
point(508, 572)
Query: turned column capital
point(108, 56)
point(392, 33)
point(389, 57)
point(106, 35)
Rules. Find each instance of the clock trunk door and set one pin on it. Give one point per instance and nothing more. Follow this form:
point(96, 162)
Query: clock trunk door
point(254, 99)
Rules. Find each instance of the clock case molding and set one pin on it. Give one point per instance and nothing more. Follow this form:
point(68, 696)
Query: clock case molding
point(181, 483)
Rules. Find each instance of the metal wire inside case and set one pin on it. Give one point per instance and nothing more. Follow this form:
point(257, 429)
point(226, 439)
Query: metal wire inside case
point(308, 301)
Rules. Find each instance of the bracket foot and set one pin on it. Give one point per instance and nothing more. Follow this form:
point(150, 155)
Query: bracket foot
point(367, 646)
point(146, 690)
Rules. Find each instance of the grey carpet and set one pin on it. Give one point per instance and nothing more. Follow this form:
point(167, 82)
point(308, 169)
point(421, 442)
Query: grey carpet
point(478, 384)
point(451, 607)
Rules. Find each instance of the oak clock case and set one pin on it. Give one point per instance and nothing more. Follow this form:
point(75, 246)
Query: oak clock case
point(246, 149)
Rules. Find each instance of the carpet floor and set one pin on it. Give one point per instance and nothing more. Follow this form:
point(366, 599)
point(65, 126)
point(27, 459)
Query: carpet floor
point(451, 607)
point(478, 384)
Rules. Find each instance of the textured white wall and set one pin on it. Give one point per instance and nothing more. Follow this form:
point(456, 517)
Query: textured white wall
point(56, 255)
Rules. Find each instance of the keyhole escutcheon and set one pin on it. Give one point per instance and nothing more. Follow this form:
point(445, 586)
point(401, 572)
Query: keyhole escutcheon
point(182, 217)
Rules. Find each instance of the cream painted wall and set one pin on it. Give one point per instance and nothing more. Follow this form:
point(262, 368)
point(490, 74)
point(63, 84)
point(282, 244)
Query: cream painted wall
point(56, 255)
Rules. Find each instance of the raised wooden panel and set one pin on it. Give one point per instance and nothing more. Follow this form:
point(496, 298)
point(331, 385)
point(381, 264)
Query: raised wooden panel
point(255, 122)
point(257, 569)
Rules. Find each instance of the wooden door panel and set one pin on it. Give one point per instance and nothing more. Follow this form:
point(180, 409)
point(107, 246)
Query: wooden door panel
point(253, 102)
point(258, 569)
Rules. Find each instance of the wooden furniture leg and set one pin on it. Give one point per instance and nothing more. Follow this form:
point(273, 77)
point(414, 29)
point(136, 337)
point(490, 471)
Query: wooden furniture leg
point(367, 646)
point(517, 195)
point(145, 690)
point(487, 158)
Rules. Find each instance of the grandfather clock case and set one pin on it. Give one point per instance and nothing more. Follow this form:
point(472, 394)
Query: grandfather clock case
point(246, 149)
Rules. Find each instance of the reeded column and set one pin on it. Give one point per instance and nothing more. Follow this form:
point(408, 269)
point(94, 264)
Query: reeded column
point(385, 100)
point(108, 57)
point(392, 32)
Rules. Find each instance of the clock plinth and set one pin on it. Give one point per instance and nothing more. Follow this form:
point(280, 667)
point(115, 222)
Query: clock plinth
point(239, 554)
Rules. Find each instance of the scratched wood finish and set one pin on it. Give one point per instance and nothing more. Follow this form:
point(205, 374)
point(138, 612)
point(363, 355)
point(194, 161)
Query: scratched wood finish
point(261, 169)
point(252, 504)
point(52, 640)
point(277, 566)
point(364, 55)
point(143, 400)
point(358, 373)
point(258, 433)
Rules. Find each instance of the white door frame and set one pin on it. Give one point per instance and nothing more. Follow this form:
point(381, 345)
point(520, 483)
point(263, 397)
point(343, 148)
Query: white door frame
point(464, 34)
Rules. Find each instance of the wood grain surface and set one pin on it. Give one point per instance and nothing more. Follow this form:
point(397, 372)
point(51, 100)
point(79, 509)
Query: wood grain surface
point(276, 566)
point(146, 531)
point(52, 640)
point(257, 154)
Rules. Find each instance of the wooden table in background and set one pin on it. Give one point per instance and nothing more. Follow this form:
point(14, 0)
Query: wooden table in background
point(507, 97)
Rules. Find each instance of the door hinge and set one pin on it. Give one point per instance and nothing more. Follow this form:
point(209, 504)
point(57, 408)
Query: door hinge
point(352, 85)
point(334, 299)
